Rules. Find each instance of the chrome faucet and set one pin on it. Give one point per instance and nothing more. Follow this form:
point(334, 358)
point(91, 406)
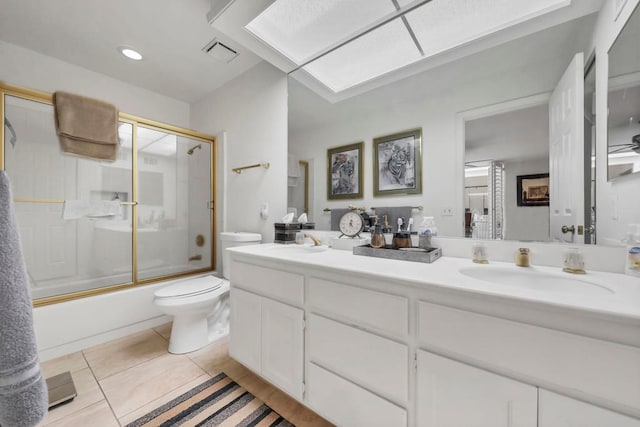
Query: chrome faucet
point(316, 242)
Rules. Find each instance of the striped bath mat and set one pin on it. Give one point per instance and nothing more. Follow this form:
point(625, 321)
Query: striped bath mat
point(216, 402)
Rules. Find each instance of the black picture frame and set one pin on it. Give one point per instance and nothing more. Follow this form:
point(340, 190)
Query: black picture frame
point(344, 172)
point(533, 190)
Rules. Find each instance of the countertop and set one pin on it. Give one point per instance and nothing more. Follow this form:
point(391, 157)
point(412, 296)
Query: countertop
point(621, 306)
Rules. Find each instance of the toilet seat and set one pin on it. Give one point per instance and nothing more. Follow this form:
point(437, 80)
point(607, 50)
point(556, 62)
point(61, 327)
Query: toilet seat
point(190, 288)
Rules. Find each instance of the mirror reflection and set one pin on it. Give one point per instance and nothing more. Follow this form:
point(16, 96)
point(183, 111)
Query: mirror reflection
point(623, 136)
point(455, 106)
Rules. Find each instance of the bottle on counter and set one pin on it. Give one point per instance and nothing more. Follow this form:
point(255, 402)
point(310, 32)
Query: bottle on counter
point(377, 238)
point(426, 230)
point(632, 264)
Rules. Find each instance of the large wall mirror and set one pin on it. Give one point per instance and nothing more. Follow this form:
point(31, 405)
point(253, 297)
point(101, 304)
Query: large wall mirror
point(623, 136)
point(515, 134)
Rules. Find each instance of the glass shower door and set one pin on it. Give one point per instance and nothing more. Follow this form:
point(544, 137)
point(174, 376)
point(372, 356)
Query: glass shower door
point(174, 217)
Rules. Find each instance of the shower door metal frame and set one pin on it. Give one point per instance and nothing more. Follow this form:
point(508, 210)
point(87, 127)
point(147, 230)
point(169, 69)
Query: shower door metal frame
point(46, 98)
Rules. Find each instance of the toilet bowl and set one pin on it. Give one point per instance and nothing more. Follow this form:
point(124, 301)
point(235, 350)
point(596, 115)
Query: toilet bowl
point(200, 312)
point(200, 306)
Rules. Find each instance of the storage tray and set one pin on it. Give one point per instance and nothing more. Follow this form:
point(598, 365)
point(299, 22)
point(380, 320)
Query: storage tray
point(430, 255)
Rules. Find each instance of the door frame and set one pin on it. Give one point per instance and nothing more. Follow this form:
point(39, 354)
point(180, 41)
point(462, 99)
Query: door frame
point(477, 113)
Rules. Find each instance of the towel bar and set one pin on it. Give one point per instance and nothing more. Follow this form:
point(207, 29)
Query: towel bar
point(257, 165)
point(28, 200)
point(415, 208)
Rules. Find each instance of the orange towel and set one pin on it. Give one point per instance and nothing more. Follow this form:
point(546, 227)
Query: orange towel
point(86, 127)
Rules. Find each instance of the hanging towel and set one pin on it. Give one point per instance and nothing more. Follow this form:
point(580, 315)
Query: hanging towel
point(86, 127)
point(23, 391)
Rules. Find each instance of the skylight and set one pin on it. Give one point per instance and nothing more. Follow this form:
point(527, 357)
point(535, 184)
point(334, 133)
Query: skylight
point(345, 43)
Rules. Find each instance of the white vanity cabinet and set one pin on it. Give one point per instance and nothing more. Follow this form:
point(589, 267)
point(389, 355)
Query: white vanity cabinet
point(356, 375)
point(267, 335)
point(452, 394)
point(379, 351)
point(560, 411)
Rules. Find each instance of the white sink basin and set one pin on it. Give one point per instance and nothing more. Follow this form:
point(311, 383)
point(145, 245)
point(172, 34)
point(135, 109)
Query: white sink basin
point(298, 249)
point(529, 278)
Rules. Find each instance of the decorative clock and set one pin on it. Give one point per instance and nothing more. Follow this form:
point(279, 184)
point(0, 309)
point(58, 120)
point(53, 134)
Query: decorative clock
point(351, 224)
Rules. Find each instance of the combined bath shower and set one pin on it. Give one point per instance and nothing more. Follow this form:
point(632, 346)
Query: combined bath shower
point(191, 150)
point(13, 139)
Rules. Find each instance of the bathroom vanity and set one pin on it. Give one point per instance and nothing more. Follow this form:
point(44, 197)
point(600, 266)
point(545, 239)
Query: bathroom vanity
point(377, 342)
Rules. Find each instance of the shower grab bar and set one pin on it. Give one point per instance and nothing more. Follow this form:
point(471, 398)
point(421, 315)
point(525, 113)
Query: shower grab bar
point(28, 200)
point(257, 165)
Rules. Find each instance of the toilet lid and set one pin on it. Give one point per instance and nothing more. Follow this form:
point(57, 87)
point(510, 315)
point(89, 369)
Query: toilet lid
point(191, 287)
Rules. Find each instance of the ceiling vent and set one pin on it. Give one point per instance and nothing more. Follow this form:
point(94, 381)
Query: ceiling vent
point(220, 51)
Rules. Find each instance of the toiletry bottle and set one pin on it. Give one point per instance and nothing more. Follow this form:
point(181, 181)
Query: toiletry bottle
point(377, 238)
point(428, 224)
point(426, 230)
point(632, 266)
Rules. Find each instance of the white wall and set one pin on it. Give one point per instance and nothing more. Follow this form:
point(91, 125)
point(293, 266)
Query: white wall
point(617, 202)
point(26, 68)
point(71, 326)
point(524, 222)
point(252, 111)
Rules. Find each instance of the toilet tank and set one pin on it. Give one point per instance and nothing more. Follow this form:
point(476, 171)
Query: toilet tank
point(232, 239)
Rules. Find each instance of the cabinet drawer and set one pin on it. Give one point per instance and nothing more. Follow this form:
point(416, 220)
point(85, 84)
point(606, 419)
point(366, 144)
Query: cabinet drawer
point(561, 411)
point(376, 363)
point(382, 312)
point(587, 366)
point(346, 404)
point(282, 285)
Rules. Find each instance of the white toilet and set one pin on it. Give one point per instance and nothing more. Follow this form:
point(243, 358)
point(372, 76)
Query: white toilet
point(200, 306)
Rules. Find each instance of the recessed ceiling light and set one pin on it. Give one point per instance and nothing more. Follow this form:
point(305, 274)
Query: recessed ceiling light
point(130, 53)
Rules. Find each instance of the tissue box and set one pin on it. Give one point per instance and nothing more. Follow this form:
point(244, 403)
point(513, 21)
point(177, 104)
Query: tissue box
point(285, 232)
point(308, 226)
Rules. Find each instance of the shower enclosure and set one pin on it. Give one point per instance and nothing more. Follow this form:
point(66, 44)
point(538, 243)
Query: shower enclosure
point(161, 186)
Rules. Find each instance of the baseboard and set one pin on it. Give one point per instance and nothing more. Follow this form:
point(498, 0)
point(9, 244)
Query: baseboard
point(72, 347)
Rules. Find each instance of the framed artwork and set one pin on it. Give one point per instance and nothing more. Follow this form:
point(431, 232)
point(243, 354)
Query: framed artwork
point(533, 190)
point(344, 172)
point(398, 163)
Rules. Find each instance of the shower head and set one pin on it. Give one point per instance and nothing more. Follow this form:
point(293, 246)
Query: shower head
point(190, 152)
point(12, 140)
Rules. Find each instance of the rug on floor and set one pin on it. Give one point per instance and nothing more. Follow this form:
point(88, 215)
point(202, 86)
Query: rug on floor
point(219, 401)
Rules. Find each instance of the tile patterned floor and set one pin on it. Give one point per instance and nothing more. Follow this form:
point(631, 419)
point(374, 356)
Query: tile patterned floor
point(121, 380)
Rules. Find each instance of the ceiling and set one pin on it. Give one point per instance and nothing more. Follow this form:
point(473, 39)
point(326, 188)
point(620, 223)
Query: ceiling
point(550, 49)
point(169, 33)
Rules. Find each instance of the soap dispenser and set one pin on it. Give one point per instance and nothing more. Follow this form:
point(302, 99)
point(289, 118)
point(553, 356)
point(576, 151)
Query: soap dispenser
point(377, 237)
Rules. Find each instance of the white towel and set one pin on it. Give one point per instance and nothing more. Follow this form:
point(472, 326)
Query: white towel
point(23, 391)
point(75, 209)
